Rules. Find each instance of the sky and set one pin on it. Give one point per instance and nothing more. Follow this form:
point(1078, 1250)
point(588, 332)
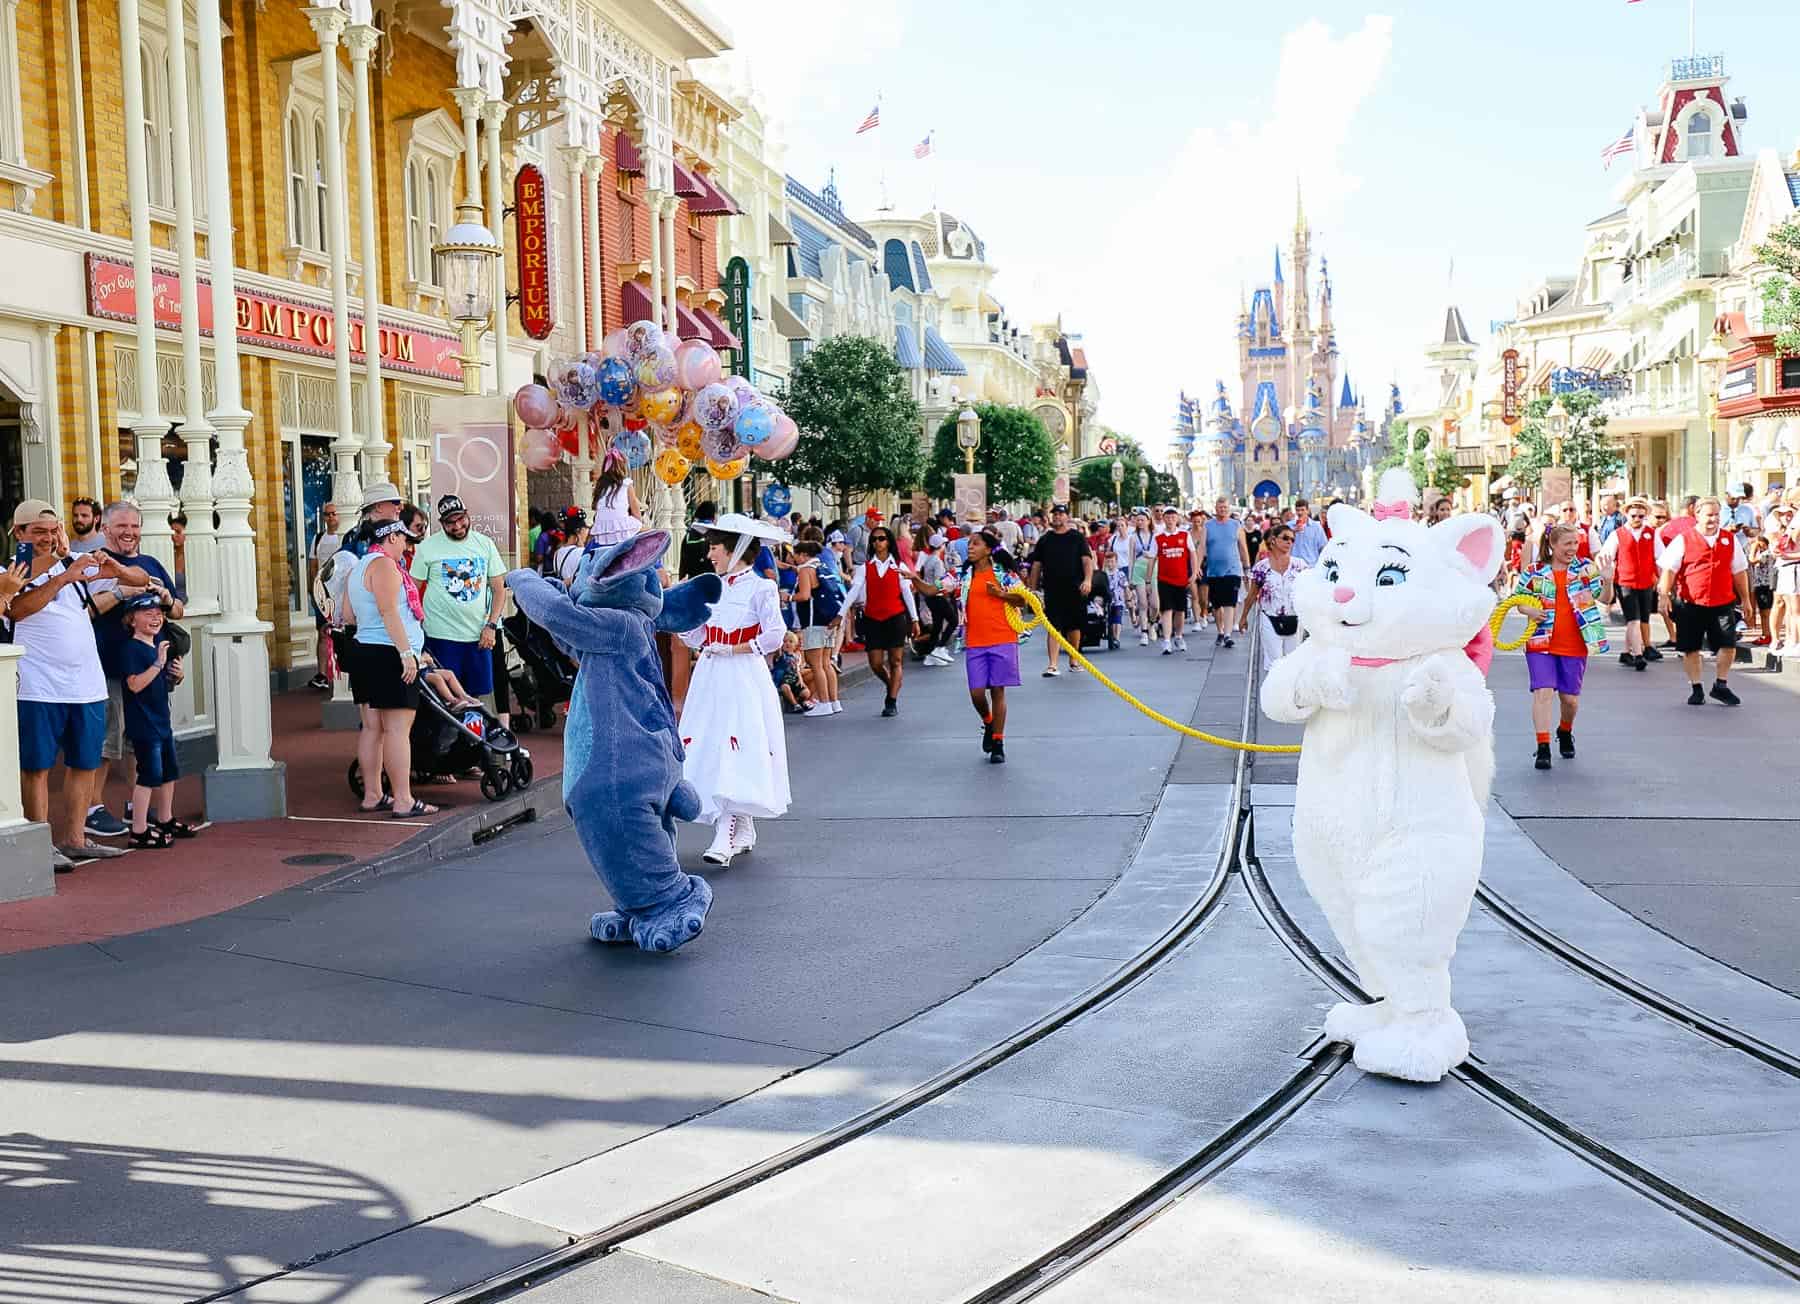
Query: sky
point(1132, 166)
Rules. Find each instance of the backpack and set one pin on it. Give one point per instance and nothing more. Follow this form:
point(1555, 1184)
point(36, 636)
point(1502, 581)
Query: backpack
point(828, 597)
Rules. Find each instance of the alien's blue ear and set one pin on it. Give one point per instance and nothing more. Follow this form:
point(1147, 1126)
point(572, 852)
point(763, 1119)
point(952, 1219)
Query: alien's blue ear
point(686, 606)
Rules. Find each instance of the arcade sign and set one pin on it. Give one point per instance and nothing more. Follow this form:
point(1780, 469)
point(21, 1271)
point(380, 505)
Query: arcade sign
point(271, 321)
point(1586, 380)
point(532, 222)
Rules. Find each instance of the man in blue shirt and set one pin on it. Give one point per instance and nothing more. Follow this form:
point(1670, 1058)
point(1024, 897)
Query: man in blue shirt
point(1227, 558)
point(123, 527)
point(1309, 535)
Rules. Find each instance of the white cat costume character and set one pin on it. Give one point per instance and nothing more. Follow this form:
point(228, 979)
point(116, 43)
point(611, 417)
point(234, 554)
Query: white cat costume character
point(1396, 764)
point(731, 725)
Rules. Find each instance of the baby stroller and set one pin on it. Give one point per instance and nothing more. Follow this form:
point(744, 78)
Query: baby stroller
point(450, 740)
point(544, 678)
point(1094, 622)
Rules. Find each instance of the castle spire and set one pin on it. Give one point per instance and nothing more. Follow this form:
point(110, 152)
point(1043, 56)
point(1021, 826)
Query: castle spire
point(1299, 208)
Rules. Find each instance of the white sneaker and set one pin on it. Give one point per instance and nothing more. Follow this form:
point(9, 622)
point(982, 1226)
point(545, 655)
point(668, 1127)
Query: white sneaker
point(941, 657)
point(1168, 648)
point(837, 708)
point(818, 709)
point(1180, 643)
point(721, 851)
point(1144, 639)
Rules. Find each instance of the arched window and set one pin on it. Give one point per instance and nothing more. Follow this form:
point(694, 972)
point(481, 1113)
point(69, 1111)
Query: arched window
point(296, 179)
point(318, 171)
point(153, 132)
point(1700, 136)
point(415, 220)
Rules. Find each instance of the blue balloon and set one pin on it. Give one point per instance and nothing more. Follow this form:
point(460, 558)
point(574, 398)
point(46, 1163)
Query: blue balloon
point(755, 423)
point(777, 501)
point(634, 447)
point(616, 381)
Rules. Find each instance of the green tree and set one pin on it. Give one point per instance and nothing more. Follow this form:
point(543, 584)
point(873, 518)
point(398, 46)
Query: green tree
point(1781, 292)
point(1017, 455)
point(1586, 450)
point(1445, 475)
point(858, 422)
point(1400, 454)
point(1093, 479)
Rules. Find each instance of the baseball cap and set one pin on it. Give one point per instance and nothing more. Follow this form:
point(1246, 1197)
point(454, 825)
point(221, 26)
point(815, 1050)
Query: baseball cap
point(27, 512)
point(873, 514)
point(382, 492)
point(450, 505)
point(1059, 507)
point(142, 602)
point(836, 536)
point(386, 528)
point(937, 541)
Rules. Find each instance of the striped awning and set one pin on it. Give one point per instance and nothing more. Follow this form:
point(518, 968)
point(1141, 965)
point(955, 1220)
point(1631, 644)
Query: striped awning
point(1598, 360)
point(906, 350)
point(687, 185)
point(715, 201)
point(690, 326)
point(940, 357)
point(788, 323)
point(630, 161)
point(717, 333)
point(1542, 375)
point(635, 300)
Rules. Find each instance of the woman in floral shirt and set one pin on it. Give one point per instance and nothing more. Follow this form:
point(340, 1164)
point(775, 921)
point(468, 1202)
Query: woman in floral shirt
point(1272, 593)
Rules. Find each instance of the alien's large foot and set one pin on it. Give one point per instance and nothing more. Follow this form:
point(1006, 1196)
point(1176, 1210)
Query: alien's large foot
point(684, 802)
point(1351, 1021)
point(610, 926)
point(678, 922)
point(1418, 1047)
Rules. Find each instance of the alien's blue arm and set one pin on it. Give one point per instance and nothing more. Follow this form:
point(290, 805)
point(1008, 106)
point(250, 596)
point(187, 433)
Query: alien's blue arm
point(580, 629)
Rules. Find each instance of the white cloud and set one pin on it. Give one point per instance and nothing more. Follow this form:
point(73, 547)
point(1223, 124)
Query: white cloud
point(1163, 316)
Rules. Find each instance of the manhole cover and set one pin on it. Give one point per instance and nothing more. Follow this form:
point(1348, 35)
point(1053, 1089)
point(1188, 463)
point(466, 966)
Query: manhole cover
point(319, 858)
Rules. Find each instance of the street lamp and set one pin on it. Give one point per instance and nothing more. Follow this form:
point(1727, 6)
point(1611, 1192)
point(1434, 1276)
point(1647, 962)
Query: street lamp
point(465, 268)
point(968, 436)
point(1559, 427)
point(1712, 360)
point(1118, 475)
point(1143, 485)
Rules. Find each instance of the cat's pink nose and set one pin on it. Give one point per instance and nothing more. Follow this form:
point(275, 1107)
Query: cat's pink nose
point(1343, 593)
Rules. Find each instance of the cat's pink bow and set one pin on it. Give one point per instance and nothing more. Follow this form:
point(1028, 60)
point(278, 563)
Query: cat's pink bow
point(1398, 510)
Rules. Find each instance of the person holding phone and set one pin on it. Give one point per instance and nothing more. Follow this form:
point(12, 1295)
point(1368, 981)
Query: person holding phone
point(62, 690)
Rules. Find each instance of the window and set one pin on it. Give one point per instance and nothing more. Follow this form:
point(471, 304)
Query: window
point(296, 178)
point(154, 58)
point(1790, 373)
point(322, 213)
point(1699, 136)
point(432, 145)
point(155, 114)
point(304, 140)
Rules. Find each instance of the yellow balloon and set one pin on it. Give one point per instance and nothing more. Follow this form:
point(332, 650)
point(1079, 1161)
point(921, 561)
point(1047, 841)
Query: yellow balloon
point(661, 405)
point(671, 467)
point(687, 440)
point(727, 470)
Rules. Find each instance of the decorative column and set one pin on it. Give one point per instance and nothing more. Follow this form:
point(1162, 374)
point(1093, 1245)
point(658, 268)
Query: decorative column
point(329, 22)
point(653, 202)
point(245, 783)
point(493, 116)
point(671, 204)
point(591, 173)
point(196, 431)
point(154, 494)
point(579, 272)
point(360, 39)
point(469, 100)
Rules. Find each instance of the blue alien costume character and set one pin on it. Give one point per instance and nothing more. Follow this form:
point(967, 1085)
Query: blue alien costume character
point(622, 757)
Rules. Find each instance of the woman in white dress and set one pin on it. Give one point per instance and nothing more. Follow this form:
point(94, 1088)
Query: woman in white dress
point(617, 512)
point(1272, 593)
point(731, 726)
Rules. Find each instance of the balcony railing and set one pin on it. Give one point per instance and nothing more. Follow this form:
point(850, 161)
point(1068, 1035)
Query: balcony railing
point(1697, 67)
point(1681, 398)
point(1684, 266)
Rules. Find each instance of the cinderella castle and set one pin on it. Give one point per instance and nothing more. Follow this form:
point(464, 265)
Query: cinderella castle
point(1297, 427)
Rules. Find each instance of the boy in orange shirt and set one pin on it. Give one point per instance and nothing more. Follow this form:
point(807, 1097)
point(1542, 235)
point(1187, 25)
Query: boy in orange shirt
point(991, 647)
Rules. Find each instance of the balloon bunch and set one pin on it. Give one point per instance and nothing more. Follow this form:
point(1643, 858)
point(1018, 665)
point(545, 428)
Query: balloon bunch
point(658, 402)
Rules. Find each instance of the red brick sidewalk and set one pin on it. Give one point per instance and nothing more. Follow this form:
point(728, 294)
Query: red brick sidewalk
point(229, 865)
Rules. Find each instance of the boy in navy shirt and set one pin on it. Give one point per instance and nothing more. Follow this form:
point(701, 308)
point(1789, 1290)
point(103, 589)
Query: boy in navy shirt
point(148, 672)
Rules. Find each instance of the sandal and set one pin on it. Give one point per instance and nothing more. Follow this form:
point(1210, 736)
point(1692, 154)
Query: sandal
point(151, 838)
point(386, 803)
point(419, 807)
point(176, 828)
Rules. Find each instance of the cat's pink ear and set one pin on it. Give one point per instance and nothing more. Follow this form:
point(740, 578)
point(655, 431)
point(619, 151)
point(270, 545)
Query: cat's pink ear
point(1476, 541)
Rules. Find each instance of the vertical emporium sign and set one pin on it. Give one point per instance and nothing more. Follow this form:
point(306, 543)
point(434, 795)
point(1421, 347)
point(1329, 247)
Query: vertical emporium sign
point(737, 315)
point(531, 220)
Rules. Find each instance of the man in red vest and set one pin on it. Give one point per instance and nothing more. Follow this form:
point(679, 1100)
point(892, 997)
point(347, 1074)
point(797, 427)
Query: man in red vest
point(1629, 554)
point(1705, 575)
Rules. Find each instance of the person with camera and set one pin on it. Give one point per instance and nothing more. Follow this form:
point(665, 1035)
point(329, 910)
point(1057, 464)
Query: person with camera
point(139, 575)
point(62, 690)
point(1272, 593)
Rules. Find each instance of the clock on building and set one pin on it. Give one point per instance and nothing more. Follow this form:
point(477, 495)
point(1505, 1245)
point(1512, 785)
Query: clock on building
point(960, 244)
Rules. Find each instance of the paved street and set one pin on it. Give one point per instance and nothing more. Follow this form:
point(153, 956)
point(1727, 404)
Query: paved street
point(322, 1067)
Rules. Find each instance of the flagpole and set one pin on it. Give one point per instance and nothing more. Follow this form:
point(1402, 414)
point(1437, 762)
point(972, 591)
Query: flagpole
point(880, 153)
point(1691, 47)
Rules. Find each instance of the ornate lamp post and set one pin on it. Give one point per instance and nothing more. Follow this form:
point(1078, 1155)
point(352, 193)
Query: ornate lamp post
point(1559, 429)
point(1143, 486)
point(1118, 478)
point(1712, 360)
point(968, 436)
point(465, 265)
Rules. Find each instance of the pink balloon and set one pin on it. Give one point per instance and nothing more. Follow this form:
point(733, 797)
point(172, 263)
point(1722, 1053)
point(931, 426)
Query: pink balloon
point(783, 442)
point(614, 345)
point(567, 418)
point(535, 405)
point(541, 451)
point(697, 365)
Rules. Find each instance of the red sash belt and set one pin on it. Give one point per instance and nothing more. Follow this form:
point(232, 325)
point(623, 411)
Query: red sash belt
point(731, 637)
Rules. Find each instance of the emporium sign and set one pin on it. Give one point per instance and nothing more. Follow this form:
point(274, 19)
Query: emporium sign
point(531, 220)
point(271, 321)
point(1509, 387)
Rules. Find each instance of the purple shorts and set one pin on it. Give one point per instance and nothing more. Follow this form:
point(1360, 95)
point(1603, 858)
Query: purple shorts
point(1548, 670)
point(992, 667)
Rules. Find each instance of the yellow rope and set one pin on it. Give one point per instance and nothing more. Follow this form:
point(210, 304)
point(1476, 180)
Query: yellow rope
point(1037, 620)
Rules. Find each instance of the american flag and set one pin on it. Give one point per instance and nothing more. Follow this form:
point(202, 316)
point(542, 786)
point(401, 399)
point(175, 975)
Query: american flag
point(872, 121)
point(1622, 145)
point(923, 148)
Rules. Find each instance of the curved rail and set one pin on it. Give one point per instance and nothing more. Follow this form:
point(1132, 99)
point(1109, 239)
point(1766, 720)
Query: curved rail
point(603, 1241)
